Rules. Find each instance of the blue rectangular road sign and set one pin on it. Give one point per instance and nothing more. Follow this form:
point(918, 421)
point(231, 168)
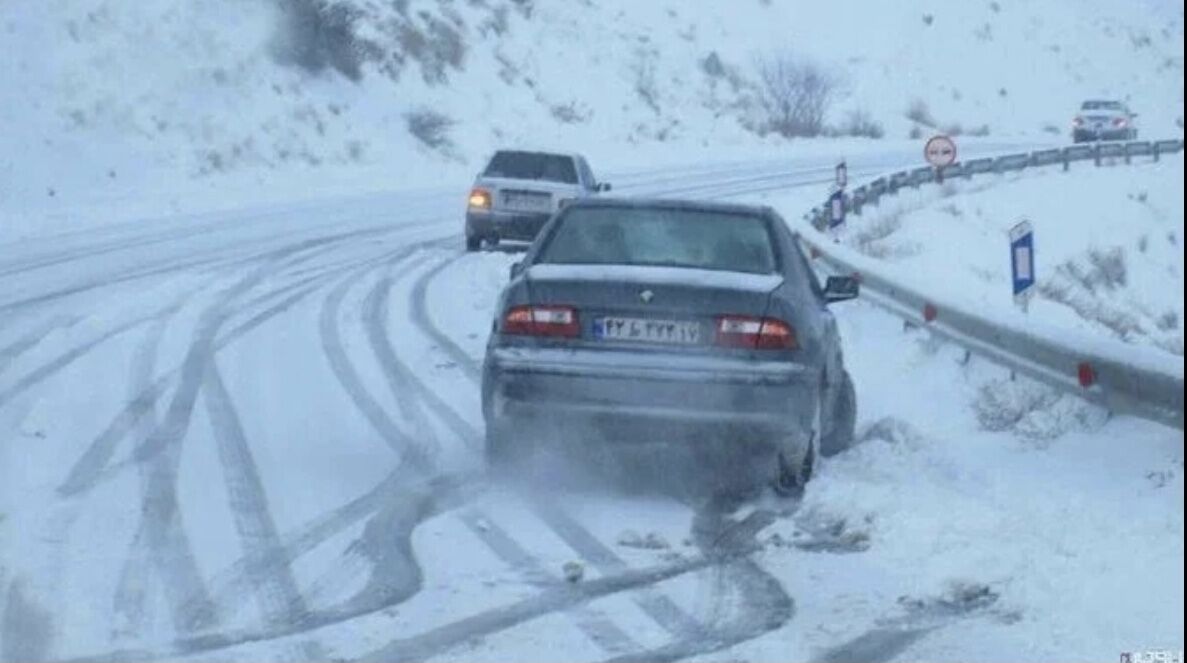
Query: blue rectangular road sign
point(836, 209)
point(1022, 254)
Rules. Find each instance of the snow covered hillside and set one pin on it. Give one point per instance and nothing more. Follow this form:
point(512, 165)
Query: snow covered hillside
point(1108, 245)
point(126, 109)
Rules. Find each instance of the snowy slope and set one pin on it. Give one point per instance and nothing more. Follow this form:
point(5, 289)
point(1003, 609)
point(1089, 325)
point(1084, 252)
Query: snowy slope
point(1109, 254)
point(139, 109)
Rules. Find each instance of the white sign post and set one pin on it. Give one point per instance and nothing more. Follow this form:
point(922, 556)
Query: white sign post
point(1022, 268)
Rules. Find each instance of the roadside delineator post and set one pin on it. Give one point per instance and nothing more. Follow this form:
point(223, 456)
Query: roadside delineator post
point(1086, 374)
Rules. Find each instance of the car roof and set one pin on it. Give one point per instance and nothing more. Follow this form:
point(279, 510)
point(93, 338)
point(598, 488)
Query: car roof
point(673, 204)
point(550, 153)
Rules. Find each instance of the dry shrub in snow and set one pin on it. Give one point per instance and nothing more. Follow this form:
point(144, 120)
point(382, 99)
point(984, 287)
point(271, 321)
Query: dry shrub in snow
point(920, 114)
point(859, 123)
point(795, 95)
point(645, 86)
point(570, 113)
point(436, 45)
point(315, 35)
point(1033, 411)
point(430, 128)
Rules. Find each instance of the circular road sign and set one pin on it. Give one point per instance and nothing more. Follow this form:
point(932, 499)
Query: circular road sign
point(940, 151)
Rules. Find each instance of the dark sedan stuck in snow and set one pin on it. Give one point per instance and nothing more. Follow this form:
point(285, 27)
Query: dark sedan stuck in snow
point(696, 327)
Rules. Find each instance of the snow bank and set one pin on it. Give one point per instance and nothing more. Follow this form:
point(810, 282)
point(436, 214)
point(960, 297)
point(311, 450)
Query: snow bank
point(1108, 252)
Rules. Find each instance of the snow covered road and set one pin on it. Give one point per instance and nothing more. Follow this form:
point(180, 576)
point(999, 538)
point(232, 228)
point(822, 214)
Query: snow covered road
point(256, 435)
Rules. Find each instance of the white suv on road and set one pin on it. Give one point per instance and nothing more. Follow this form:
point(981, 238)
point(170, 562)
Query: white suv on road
point(519, 191)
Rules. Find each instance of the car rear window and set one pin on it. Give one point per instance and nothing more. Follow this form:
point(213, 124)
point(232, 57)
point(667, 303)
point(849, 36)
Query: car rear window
point(532, 166)
point(666, 237)
point(1101, 105)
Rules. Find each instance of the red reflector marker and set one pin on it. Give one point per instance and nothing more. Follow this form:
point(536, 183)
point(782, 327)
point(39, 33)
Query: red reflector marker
point(929, 313)
point(1086, 374)
point(814, 252)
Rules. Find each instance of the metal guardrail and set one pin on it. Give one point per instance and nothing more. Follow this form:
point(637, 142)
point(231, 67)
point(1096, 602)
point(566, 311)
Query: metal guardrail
point(1118, 376)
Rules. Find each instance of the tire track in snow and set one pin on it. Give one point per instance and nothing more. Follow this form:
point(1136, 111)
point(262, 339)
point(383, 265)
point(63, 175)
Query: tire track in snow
point(51, 368)
point(441, 640)
point(92, 466)
point(596, 626)
point(408, 388)
point(161, 543)
point(402, 380)
point(657, 605)
point(169, 550)
point(10, 352)
point(345, 373)
point(272, 581)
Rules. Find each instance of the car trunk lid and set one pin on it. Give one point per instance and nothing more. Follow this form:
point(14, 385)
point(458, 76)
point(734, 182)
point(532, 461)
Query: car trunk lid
point(668, 308)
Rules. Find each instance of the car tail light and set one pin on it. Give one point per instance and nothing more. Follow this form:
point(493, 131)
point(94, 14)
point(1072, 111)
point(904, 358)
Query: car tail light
point(1119, 121)
point(1078, 122)
point(479, 198)
point(756, 333)
point(558, 321)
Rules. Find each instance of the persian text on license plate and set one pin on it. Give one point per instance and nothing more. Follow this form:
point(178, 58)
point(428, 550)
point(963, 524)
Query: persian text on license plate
point(528, 203)
point(649, 331)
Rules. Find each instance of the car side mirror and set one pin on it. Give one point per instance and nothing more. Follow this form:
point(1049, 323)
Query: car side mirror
point(603, 186)
point(840, 288)
point(516, 269)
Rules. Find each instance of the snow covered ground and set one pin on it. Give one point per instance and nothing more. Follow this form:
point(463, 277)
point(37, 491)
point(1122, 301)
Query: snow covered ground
point(1109, 254)
point(239, 413)
point(255, 436)
point(139, 110)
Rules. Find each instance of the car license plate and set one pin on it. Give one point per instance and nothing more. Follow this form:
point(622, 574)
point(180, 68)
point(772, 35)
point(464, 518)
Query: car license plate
point(527, 202)
point(673, 332)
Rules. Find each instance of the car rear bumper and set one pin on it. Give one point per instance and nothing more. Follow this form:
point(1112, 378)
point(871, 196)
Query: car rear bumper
point(649, 397)
point(505, 225)
point(1091, 134)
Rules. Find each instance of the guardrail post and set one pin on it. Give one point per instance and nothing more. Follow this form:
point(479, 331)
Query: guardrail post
point(1096, 154)
point(1156, 151)
point(1067, 160)
point(1128, 159)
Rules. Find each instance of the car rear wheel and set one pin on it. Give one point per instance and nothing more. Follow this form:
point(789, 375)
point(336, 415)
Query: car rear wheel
point(839, 429)
point(473, 243)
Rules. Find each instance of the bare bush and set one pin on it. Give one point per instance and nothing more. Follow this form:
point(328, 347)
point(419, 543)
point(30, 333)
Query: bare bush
point(1032, 411)
point(570, 113)
point(643, 69)
point(713, 66)
point(795, 95)
point(915, 133)
point(980, 132)
point(919, 113)
point(437, 46)
point(315, 35)
point(430, 128)
point(859, 123)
